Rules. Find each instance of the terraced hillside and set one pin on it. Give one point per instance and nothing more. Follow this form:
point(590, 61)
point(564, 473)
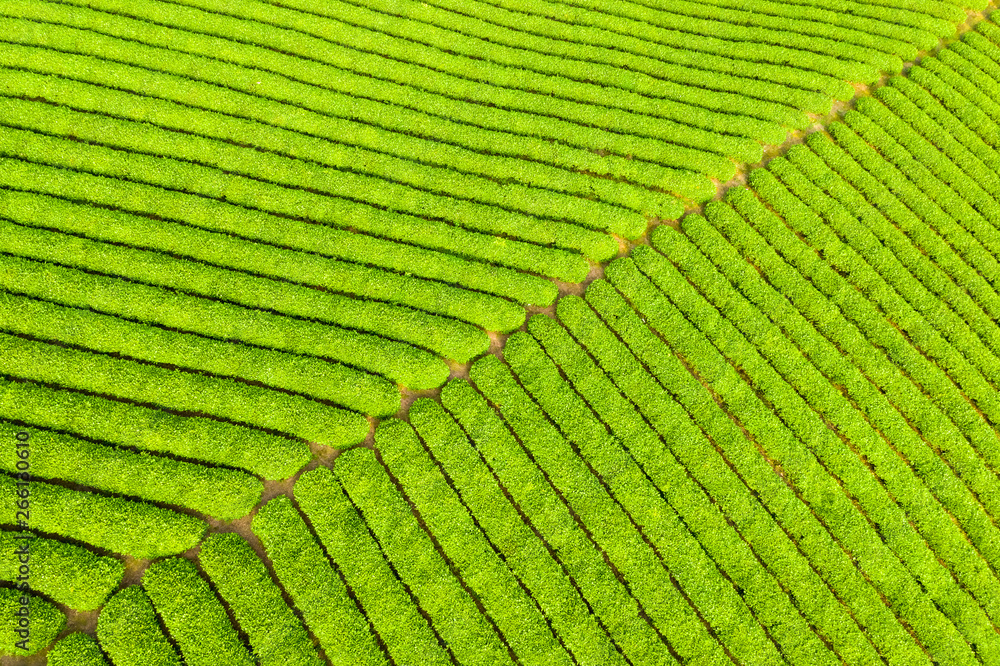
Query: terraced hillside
point(556, 332)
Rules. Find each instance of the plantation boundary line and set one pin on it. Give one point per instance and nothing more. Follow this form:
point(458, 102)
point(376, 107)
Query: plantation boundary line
point(963, 394)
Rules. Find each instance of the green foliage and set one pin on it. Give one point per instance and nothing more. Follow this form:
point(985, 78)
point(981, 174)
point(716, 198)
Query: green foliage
point(450, 338)
point(143, 227)
point(936, 268)
point(783, 533)
point(314, 586)
point(578, 65)
point(327, 170)
point(450, 608)
point(387, 604)
point(130, 634)
point(454, 528)
point(181, 391)
point(546, 511)
point(63, 572)
point(911, 486)
point(219, 492)
point(266, 261)
point(398, 361)
point(638, 471)
point(125, 424)
point(45, 621)
point(331, 115)
point(520, 549)
point(934, 191)
point(675, 455)
point(119, 525)
point(748, 69)
point(819, 520)
point(345, 386)
point(933, 625)
point(952, 67)
point(962, 191)
point(193, 614)
point(932, 522)
point(872, 328)
point(356, 140)
point(276, 635)
point(229, 233)
point(867, 21)
point(825, 45)
point(396, 80)
point(607, 522)
point(77, 649)
point(941, 237)
point(144, 42)
point(511, 68)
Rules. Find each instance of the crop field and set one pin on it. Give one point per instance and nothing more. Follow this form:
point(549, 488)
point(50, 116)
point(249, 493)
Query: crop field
point(499, 332)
